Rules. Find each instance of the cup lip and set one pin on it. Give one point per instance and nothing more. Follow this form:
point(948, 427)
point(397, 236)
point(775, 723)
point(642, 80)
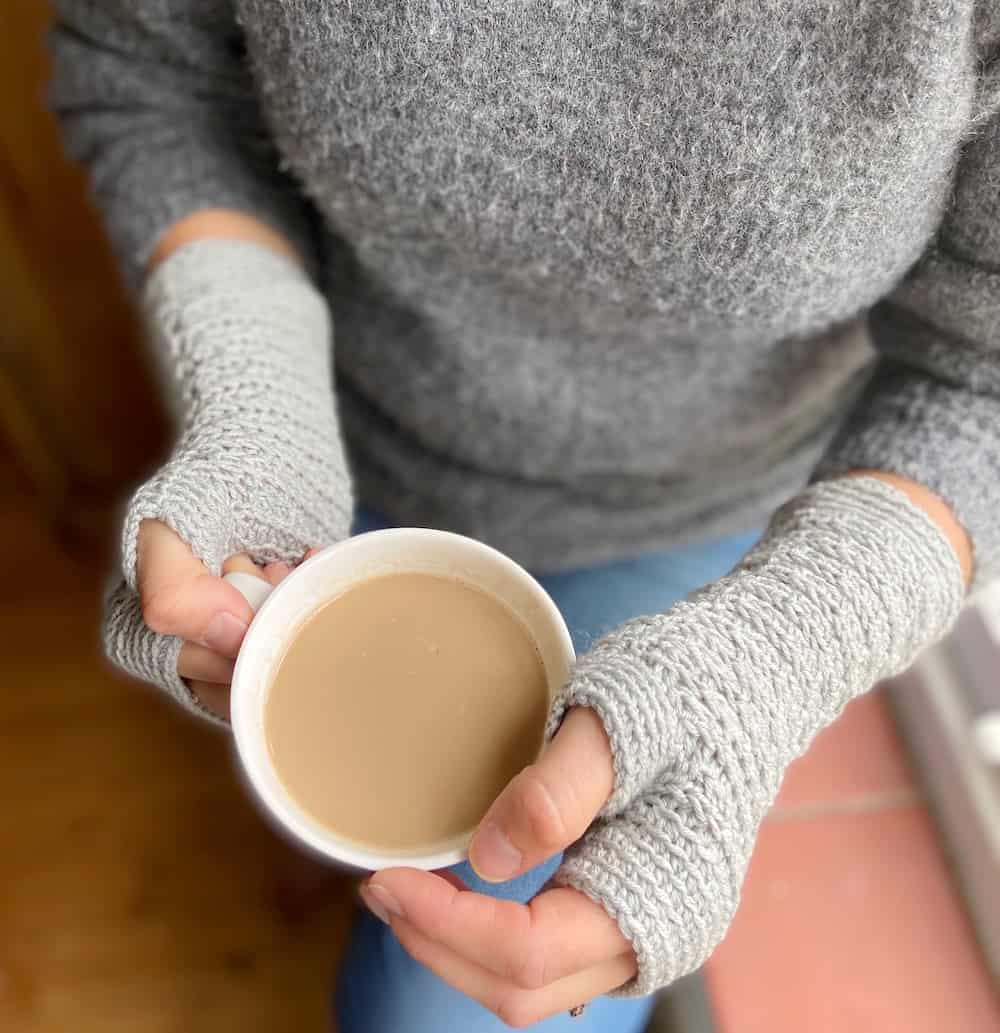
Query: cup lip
point(325, 841)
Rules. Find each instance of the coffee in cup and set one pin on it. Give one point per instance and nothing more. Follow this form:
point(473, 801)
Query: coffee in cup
point(388, 690)
point(402, 708)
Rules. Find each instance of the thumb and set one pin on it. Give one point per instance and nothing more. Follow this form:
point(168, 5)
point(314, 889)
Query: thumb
point(179, 596)
point(550, 804)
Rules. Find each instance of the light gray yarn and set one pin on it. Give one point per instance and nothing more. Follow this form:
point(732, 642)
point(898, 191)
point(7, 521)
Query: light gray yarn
point(245, 344)
point(244, 341)
point(707, 704)
point(598, 270)
point(131, 645)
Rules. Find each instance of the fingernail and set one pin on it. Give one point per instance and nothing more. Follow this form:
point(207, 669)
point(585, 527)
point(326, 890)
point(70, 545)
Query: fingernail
point(494, 857)
point(380, 902)
point(224, 634)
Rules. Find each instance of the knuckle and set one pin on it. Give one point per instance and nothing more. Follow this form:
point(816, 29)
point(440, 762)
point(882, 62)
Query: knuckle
point(160, 610)
point(528, 971)
point(496, 1006)
point(540, 813)
point(515, 1010)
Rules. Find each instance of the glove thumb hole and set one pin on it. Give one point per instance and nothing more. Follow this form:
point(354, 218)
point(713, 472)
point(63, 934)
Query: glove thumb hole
point(179, 597)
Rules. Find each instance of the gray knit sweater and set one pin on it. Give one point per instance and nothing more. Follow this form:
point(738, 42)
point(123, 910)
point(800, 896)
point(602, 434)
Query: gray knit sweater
point(597, 273)
point(596, 268)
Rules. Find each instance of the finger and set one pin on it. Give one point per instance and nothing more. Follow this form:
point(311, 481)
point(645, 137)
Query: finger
point(275, 573)
point(530, 945)
point(212, 696)
point(511, 1004)
point(179, 597)
point(196, 663)
point(549, 804)
point(242, 564)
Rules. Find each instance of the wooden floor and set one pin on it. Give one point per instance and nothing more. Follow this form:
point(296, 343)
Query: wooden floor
point(139, 891)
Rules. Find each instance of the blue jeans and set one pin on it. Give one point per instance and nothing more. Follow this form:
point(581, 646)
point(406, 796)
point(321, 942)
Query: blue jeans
point(380, 988)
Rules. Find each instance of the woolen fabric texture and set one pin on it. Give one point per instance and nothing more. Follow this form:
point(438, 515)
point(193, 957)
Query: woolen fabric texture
point(707, 705)
point(243, 340)
point(599, 276)
point(596, 269)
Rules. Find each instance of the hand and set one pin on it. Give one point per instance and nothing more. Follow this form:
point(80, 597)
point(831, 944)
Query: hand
point(704, 708)
point(258, 467)
point(523, 962)
point(179, 597)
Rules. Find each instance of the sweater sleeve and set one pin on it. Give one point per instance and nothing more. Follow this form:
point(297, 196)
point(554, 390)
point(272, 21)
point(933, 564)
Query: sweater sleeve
point(156, 99)
point(932, 410)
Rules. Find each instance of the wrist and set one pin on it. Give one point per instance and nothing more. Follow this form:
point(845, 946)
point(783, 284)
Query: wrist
point(851, 581)
point(936, 509)
point(219, 224)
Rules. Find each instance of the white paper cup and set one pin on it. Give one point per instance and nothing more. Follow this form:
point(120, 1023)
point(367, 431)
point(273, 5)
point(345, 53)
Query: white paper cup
point(329, 574)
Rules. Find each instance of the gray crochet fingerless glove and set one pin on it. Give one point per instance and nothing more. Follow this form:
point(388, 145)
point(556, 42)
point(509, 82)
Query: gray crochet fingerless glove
point(245, 344)
point(706, 705)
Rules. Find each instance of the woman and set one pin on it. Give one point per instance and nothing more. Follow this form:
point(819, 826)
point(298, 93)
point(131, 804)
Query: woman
point(598, 276)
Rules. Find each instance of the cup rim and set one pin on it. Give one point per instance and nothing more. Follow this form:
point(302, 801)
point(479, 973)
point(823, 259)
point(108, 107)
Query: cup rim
point(280, 806)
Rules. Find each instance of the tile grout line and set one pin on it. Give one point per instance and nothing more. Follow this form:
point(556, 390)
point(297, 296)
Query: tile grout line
point(868, 804)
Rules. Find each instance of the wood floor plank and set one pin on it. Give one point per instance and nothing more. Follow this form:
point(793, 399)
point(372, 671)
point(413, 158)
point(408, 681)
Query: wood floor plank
point(137, 882)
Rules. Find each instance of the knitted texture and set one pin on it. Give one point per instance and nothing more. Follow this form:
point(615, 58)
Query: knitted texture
point(706, 705)
point(595, 267)
point(245, 344)
point(134, 647)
